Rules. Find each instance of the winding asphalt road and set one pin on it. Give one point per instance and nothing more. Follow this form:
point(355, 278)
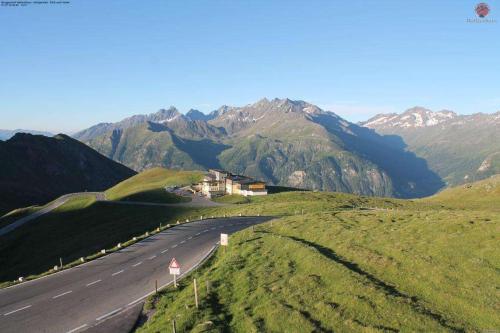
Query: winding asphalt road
point(100, 196)
point(196, 201)
point(85, 296)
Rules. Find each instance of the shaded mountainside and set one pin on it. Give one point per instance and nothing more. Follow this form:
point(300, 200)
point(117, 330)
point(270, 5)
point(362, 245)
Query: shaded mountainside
point(285, 142)
point(36, 169)
point(460, 148)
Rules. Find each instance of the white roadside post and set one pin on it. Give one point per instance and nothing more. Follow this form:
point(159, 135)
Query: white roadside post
point(195, 293)
point(224, 239)
point(175, 269)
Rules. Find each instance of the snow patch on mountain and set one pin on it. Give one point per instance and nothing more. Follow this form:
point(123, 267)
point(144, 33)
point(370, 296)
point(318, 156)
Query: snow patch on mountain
point(412, 118)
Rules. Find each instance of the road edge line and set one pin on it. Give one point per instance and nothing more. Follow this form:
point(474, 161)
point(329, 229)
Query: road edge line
point(111, 253)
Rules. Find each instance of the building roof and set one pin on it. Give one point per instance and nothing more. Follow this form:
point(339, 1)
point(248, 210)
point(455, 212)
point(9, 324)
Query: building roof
point(219, 170)
point(250, 181)
point(238, 177)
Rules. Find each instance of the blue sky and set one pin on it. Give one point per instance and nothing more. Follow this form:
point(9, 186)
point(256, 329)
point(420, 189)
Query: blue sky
point(67, 67)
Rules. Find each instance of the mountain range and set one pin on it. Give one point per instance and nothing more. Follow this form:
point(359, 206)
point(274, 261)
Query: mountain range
point(36, 169)
point(284, 142)
point(459, 148)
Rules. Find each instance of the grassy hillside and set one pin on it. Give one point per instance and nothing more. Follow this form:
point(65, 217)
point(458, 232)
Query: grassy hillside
point(341, 263)
point(17, 214)
point(329, 262)
point(232, 199)
point(79, 228)
point(483, 194)
point(149, 186)
point(82, 226)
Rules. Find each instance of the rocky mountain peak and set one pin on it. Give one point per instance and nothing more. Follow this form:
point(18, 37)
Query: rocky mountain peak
point(414, 117)
point(198, 115)
point(164, 115)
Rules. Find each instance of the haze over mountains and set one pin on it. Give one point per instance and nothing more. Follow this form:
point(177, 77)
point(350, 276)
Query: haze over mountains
point(7, 134)
point(36, 169)
point(282, 141)
point(460, 148)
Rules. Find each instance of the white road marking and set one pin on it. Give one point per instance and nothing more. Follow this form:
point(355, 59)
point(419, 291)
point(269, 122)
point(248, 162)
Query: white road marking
point(135, 265)
point(108, 314)
point(164, 251)
point(137, 300)
point(65, 293)
point(206, 230)
point(191, 237)
point(184, 241)
point(152, 257)
point(91, 283)
point(198, 234)
point(77, 329)
point(116, 273)
point(213, 228)
point(168, 283)
point(11, 312)
point(175, 245)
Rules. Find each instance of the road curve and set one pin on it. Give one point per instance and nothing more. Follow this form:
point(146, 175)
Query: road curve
point(48, 208)
point(84, 296)
point(196, 201)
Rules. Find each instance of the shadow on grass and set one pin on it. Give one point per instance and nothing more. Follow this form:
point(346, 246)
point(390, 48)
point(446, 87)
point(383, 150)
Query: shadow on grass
point(155, 196)
point(386, 288)
point(316, 323)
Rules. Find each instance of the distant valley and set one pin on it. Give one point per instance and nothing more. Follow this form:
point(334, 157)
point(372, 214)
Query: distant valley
point(459, 148)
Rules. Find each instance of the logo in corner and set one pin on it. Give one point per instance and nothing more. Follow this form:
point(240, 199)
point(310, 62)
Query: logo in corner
point(482, 9)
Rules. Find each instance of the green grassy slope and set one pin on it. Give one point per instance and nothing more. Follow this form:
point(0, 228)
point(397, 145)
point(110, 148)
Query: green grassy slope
point(82, 226)
point(330, 262)
point(483, 194)
point(149, 186)
point(16, 214)
point(341, 263)
point(79, 228)
point(232, 199)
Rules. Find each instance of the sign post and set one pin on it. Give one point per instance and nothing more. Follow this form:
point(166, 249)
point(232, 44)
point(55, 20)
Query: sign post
point(224, 239)
point(175, 269)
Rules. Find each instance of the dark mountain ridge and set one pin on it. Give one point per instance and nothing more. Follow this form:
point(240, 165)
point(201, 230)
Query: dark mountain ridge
point(36, 169)
point(7, 134)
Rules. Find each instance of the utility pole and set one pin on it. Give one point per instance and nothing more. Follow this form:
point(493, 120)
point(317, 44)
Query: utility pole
point(174, 330)
point(195, 293)
point(175, 282)
point(60, 261)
